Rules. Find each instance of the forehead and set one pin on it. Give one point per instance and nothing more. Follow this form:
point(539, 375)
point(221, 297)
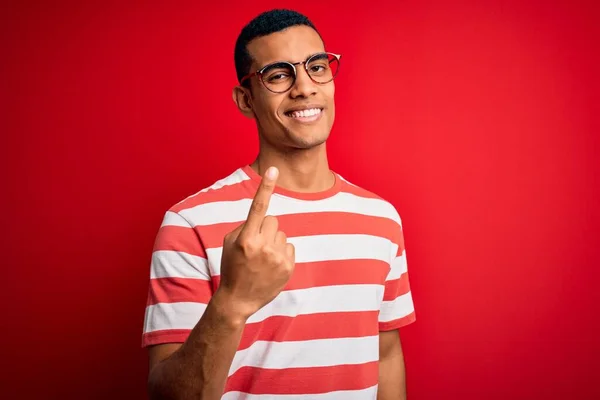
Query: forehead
point(292, 44)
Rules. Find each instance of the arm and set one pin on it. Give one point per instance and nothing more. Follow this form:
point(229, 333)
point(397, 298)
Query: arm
point(397, 310)
point(199, 367)
point(256, 263)
point(392, 383)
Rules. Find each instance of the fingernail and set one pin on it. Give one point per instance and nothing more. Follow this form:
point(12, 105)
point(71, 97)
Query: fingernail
point(272, 173)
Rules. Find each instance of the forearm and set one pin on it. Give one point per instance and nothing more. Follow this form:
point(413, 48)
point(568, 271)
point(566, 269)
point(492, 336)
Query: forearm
point(199, 368)
point(392, 382)
point(392, 376)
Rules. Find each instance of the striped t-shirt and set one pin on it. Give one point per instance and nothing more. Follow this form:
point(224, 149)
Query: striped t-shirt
point(319, 338)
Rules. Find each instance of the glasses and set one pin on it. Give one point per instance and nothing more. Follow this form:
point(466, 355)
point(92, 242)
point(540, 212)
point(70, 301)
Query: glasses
point(280, 76)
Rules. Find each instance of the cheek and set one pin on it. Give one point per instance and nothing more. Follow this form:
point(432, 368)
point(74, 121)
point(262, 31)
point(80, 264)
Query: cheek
point(270, 109)
point(331, 99)
point(329, 94)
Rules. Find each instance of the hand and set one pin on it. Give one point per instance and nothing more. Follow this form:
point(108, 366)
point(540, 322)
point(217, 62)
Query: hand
point(257, 261)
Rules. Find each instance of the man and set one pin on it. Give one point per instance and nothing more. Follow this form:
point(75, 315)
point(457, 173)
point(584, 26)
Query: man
point(282, 280)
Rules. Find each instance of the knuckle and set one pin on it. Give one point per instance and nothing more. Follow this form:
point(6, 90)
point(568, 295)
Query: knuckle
point(268, 185)
point(291, 252)
point(291, 263)
point(273, 257)
point(271, 223)
point(258, 207)
point(248, 247)
point(271, 219)
point(278, 259)
point(289, 269)
point(267, 251)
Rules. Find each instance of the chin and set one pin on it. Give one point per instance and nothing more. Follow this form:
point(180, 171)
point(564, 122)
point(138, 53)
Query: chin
point(301, 140)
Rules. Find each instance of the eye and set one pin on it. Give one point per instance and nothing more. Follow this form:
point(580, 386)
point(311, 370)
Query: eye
point(318, 67)
point(278, 76)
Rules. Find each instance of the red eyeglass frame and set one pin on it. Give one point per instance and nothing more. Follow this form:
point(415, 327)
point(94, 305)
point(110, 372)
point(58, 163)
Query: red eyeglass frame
point(304, 63)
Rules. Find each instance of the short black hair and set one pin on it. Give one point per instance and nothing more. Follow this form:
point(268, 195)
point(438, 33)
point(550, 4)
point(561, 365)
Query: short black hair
point(264, 24)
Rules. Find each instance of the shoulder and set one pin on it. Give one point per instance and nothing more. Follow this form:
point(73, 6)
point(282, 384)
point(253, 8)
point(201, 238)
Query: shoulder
point(228, 189)
point(369, 201)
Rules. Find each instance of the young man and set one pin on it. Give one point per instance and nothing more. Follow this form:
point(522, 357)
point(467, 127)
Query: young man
point(281, 280)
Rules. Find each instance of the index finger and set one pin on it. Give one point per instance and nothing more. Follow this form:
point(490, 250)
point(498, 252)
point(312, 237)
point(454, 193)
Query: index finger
point(260, 203)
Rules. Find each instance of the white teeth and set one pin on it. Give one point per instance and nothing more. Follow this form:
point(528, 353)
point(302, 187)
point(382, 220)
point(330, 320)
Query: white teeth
point(306, 113)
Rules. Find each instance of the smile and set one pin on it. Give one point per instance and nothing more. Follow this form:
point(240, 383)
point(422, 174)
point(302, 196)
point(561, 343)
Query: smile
point(308, 115)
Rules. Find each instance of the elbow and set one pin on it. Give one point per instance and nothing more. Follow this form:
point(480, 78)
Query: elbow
point(154, 387)
point(158, 386)
point(166, 384)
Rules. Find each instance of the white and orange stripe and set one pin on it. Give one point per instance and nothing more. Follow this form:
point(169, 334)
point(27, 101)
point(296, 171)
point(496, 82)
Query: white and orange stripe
point(349, 283)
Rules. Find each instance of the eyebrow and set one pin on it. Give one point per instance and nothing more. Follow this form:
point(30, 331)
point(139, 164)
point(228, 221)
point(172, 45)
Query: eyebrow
point(274, 65)
point(292, 62)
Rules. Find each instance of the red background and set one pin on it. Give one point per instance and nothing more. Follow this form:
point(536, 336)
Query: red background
point(478, 120)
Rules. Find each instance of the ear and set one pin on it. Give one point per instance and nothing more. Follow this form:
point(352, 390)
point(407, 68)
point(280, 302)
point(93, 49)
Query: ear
point(243, 100)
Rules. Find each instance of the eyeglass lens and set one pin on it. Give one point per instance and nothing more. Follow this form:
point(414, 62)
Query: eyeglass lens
point(280, 77)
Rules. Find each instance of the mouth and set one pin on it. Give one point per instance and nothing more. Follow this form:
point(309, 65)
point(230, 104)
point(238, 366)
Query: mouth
point(305, 115)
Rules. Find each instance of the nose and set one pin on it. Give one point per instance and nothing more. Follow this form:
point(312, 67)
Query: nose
point(304, 86)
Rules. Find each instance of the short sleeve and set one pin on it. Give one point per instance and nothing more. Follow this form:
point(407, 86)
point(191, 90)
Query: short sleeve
point(180, 283)
point(397, 308)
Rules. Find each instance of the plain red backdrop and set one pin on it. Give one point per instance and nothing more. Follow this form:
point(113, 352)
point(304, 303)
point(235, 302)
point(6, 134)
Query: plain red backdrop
point(478, 121)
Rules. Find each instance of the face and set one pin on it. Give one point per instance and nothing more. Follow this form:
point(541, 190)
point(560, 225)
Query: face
point(279, 116)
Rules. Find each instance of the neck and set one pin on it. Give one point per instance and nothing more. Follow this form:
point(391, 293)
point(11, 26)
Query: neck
point(300, 170)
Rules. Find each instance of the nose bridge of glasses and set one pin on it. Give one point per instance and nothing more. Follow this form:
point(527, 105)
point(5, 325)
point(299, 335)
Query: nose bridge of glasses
point(303, 67)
